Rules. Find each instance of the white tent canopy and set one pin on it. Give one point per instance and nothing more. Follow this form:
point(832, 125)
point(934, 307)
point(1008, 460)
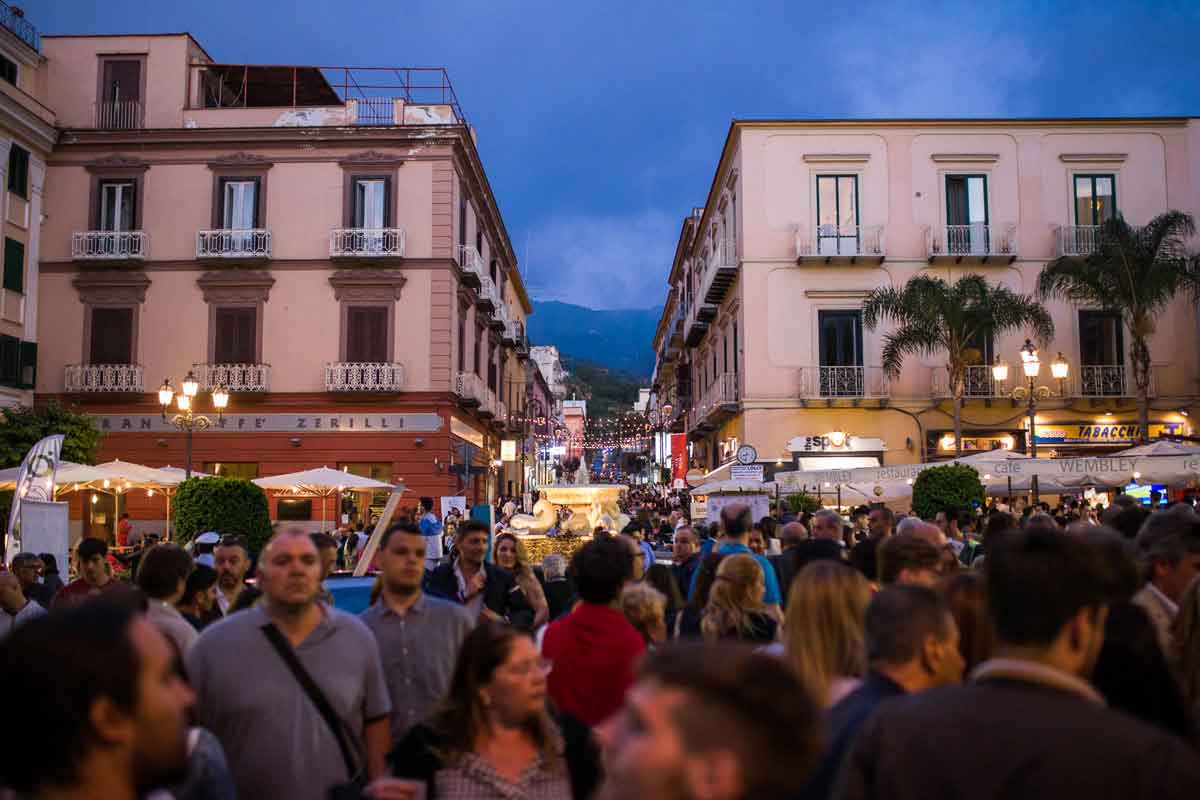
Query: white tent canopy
point(1161, 448)
point(319, 481)
point(735, 487)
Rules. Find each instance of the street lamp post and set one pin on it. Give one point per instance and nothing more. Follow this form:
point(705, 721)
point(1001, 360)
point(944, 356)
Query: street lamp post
point(187, 419)
point(1031, 365)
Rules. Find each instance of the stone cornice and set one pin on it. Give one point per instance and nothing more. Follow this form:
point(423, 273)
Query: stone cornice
point(367, 284)
point(371, 158)
point(236, 285)
point(112, 286)
point(240, 160)
point(117, 163)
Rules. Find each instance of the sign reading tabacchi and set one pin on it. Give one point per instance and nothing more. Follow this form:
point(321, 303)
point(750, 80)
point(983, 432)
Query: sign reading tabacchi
point(1121, 433)
point(280, 423)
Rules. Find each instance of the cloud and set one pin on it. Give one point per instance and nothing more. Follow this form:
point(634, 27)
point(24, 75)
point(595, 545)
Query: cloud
point(602, 262)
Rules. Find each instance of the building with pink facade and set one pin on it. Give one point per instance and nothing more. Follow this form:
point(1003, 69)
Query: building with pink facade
point(321, 242)
point(761, 340)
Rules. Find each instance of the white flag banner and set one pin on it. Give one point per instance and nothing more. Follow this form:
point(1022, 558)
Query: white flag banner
point(1070, 472)
point(35, 481)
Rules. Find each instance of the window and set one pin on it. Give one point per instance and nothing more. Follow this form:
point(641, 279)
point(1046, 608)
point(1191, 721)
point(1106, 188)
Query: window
point(120, 104)
point(18, 171)
point(978, 380)
point(966, 214)
point(725, 352)
point(491, 349)
point(292, 509)
point(8, 70)
point(118, 205)
point(367, 334)
point(14, 265)
point(10, 360)
point(376, 499)
point(462, 340)
point(476, 350)
point(841, 372)
point(735, 348)
point(239, 203)
point(1101, 354)
point(235, 336)
point(111, 336)
point(371, 203)
point(462, 214)
point(1095, 199)
point(244, 470)
point(837, 214)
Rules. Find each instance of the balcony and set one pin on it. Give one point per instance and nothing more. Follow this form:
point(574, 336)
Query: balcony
point(109, 245)
point(13, 19)
point(501, 415)
point(509, 335)
point(366, 243)
point(486, 299)
point(471, 264)
point(234, 377)
point(521, 340)
point(977, 382)
point(720, 270)
point(976, 242)
point(469, 389)
point(718, 403)
point(843, 243)
point(108, 378)
point(1077, 240)
point(119, 115)
point(1104, 380)
point(836, 384)
point(234, 244)
point(360, 376)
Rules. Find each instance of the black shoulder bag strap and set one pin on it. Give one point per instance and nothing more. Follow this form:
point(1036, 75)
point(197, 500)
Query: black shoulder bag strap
point(284, 648)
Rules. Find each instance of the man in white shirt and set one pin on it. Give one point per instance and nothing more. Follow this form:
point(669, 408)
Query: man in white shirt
point(15, 608)
point(231, 560)
point(431, 529)
point(1169, 545)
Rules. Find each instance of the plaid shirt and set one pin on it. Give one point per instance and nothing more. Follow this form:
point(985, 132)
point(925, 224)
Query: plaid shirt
point(474, 779)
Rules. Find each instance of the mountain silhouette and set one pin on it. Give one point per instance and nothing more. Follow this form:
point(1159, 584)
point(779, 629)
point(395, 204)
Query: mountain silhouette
point(620, 339)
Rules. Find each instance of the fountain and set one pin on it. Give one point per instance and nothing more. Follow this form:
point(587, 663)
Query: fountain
point(591, 505)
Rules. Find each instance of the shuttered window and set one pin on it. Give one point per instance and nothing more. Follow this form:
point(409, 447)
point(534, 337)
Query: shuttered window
point(112, 336)
point(236, 335)
point(18, 171)
point(14, 265)
point(366, 334)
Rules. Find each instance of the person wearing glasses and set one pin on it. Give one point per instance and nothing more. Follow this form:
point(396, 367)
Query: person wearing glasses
point(492, 736)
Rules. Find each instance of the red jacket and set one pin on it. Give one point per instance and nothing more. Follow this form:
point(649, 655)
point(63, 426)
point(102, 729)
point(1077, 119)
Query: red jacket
point(593, 649)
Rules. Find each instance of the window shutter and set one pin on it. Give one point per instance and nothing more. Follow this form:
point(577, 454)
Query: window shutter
point(28, 365)
point(18, 171)
point(14, 265)
point(236, 336)
point(387, 202)
point(10, 360)
point(112, 336)
point(366, 334)
point(8, 70)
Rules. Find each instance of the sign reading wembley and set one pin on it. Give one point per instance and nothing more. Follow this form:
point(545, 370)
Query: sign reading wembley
point(279, 423)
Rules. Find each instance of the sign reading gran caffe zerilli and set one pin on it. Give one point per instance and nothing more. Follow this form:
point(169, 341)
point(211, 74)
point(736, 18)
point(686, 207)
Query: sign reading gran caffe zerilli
point(279, 423)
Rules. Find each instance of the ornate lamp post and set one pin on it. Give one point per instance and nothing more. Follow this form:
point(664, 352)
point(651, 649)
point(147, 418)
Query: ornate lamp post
point(1031, 366)
point(187, 419)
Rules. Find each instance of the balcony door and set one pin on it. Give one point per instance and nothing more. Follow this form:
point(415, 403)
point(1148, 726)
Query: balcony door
point(235, 338)
point(118, 206)
point(978, 380)
point(841, 351)
point(367, 334)
point(1101, 354)
point(111, 336)
point(239, 212)
point(1095, 199)
point(120, 93)
point(837, 215)
point(370, 213)
point(966, 214)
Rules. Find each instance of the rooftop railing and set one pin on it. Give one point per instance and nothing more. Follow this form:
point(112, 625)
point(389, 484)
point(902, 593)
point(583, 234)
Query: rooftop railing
point(14, 20)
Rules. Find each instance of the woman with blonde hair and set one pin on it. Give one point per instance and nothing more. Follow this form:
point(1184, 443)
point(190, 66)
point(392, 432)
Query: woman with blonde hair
point(735, 609)
point(646, 609)
point(510, 554)
point(823, 633)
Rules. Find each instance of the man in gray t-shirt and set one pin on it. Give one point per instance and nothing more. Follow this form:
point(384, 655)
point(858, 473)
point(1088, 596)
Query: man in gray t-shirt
point(276, 741)
point(419, 636)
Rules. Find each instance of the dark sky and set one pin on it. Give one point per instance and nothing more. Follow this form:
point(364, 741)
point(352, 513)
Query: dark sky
point(600, 123)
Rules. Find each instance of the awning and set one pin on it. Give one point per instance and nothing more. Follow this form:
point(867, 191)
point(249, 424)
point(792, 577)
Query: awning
point(837, 462)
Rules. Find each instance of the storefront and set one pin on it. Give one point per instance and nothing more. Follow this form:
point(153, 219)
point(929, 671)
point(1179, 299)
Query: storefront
point(1108, 435)
point(940, 443)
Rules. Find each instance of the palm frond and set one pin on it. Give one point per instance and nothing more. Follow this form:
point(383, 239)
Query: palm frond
point(906, 341)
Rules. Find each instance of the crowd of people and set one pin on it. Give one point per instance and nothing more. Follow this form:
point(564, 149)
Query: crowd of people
point(998, 652)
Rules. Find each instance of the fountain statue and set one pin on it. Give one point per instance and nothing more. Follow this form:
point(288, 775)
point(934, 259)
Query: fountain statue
point(590, 504)
point(582, 476)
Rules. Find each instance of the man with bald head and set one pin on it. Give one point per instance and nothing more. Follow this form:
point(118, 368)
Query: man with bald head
point(915, 526)
point(735, 524)
point(270, 720)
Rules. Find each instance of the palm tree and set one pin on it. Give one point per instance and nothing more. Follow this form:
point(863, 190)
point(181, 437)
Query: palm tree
point(931, 315)
point(1134, 272)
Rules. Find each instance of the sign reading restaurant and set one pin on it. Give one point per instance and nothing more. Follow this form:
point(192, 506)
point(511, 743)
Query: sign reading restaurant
point(279, 423)
point(1086, 433)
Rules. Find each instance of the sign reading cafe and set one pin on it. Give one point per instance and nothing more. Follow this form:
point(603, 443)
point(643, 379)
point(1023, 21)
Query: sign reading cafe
point(280, 423)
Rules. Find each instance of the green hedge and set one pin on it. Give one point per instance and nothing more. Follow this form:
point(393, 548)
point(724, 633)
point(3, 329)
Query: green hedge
point(938, 488)
point(801, 503)
point(224, 505)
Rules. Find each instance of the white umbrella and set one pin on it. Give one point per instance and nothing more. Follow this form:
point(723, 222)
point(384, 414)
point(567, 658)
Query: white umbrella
point(735, 487)
point(1161, 448)
point(320, 482)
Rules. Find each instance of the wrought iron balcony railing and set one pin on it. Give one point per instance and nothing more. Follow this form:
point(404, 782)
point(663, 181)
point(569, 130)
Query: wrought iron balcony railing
point(119, 115)
point(364, 376)
point(249, 243)
point(79, 378)
point(974, 241)
point(824, 382)
point(1077, 240)
point(109, 245)
point(840, 241)
point(234, 377)
point(366, 243)
point(977, 382)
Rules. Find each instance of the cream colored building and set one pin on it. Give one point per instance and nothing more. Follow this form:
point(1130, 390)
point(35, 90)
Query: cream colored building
point(761, 339)
point(331, 254)
point(27, 134)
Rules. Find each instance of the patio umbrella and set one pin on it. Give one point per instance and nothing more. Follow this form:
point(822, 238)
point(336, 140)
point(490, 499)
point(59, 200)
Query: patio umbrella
point(320, 482)
point(1161, 448)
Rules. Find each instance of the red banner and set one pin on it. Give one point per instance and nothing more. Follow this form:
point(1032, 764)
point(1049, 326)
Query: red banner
point(679, 463)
